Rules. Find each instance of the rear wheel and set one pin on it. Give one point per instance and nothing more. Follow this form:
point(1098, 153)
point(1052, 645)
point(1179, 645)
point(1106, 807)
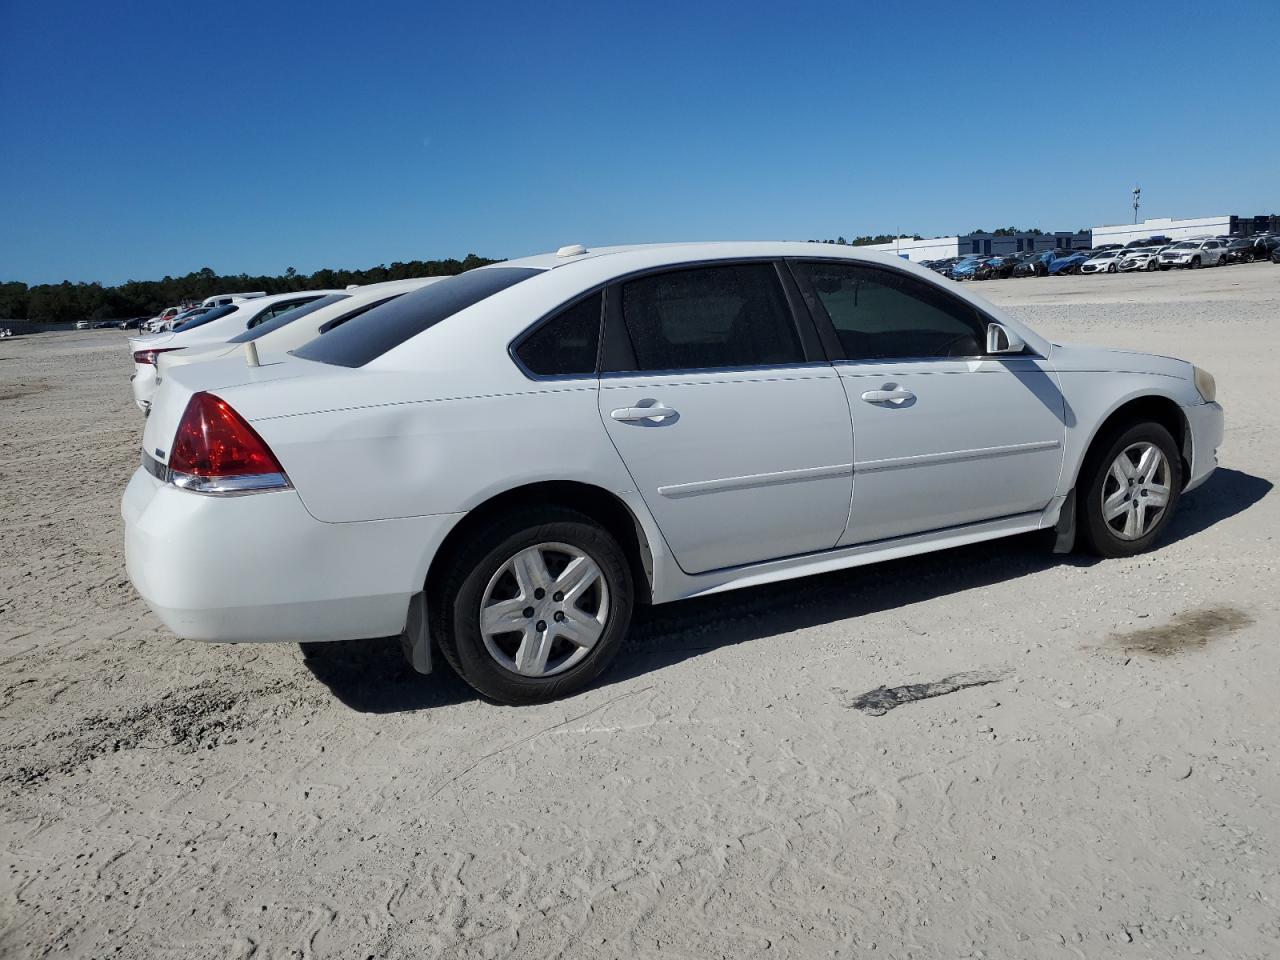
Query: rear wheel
point(535, 606)
point(1129, 488)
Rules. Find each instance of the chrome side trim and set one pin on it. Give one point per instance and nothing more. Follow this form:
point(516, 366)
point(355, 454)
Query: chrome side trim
point(676, 491)
point(216, 486)
point(954, 456)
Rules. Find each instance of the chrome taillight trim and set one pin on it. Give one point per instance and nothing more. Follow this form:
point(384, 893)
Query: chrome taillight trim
point(216, 486)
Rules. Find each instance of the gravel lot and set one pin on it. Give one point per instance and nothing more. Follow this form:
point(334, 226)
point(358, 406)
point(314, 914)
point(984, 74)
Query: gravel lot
point(1115, 794)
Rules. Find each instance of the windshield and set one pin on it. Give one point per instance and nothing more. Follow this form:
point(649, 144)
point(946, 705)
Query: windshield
point(1186, 245)
point(1104, 255)
point(280, 319)
point(372, 334)
point(200, 321)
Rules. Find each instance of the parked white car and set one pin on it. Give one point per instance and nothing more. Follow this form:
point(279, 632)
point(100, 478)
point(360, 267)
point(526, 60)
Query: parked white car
point(502, 464)
point(1139, 258)
point(216, 326)
point(1193, 254)
point(1108, 261)
point(288, 330)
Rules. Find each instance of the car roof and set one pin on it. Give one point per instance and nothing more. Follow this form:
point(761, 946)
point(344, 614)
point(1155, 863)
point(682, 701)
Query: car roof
point(644, 255)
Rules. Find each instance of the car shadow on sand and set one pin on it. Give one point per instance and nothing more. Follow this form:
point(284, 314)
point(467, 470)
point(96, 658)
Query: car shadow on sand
point(371, 676)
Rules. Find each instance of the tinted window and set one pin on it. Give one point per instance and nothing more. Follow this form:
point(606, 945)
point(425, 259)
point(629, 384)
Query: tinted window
point(566, 344)
point(214, 314)
point(730, 316)
point(372, 334)
point(287, 315)
point(883, 314)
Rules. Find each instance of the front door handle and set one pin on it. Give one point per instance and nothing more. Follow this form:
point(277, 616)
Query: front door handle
point(656, 412)
point(888, 396)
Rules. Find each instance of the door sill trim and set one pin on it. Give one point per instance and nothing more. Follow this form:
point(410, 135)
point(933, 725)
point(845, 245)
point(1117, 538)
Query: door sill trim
point(862, 554)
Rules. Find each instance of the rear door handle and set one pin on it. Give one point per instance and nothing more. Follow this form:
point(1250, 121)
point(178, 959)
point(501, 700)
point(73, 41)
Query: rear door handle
point(887, 396)
point(655, 412)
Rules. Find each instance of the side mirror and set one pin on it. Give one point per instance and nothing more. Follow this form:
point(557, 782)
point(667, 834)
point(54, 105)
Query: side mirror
point(1000, 339)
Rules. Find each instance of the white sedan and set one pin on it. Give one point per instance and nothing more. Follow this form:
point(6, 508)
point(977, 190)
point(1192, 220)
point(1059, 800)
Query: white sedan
point(501, 465)
point(214, 326)
point(293, 328)
point(1105, 262)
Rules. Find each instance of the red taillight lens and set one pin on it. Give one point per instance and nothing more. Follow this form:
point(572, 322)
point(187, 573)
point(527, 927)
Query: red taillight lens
point(149, 356)
point(215, 441)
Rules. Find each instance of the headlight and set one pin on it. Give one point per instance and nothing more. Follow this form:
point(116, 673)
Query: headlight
point(1205, 384)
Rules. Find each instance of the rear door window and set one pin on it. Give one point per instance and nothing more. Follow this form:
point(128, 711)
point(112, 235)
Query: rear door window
point(714, 317)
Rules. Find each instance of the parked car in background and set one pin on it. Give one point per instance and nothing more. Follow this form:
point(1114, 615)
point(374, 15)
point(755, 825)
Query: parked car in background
point(999, 267)
point(465, 466)
point(222, 299)
point(1264, 245)
point(82, 324)
point(1070, 262)
point(1108, 261)
point(1192, 254)
point(1241, 250)
point(1139, 258)
point(216, 326)
point(292, 329)
point(133, 323)
point(966, 267)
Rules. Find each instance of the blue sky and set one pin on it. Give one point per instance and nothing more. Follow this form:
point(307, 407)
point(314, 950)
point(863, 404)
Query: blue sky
point(143, 139)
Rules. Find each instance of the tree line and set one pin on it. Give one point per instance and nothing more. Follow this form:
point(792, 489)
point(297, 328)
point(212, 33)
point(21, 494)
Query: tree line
point(66, 301)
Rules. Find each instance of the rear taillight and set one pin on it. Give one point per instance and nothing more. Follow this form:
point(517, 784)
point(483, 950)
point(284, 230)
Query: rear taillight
point(149, 356)
point(216, 451)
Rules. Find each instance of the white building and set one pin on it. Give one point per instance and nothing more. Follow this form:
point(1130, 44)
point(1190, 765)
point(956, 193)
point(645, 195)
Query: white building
point(938, 248)
point(1164, 227)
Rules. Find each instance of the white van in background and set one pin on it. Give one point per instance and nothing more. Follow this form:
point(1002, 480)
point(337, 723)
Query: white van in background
point(223, 299)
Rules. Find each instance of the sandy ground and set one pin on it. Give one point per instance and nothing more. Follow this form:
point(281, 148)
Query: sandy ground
point(1116, 794)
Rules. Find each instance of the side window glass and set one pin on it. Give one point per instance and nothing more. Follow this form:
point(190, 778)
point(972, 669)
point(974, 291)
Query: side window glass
point(707, 317)
point(565, 345)
point(885, 315)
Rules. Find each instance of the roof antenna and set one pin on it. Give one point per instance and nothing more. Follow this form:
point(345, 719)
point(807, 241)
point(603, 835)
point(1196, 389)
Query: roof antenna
point(251, 354)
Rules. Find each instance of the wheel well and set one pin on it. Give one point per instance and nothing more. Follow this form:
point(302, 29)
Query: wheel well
point(1159, 410)
point(598, 504)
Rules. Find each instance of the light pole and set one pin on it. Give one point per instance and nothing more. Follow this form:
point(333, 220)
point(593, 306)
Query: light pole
point(1137, 199)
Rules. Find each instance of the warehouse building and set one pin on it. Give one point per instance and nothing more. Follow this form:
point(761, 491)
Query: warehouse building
point(989, 244)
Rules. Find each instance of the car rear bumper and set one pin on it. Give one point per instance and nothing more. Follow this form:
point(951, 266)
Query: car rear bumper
point(261, 568)
point(1206, 423)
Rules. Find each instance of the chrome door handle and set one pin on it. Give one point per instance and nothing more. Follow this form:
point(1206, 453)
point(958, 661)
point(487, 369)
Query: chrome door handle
point(655, 412)
point(887, 396)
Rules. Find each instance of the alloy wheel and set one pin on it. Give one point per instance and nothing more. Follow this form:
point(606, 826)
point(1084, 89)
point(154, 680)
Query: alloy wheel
point(1136, 491)
point(544, 609)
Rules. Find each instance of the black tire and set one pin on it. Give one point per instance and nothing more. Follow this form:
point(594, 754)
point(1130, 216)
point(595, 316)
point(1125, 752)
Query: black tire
point(1195, 263)
point(1152, 266)
point(1095, 533)
point(1111, 268)
point(456, 602)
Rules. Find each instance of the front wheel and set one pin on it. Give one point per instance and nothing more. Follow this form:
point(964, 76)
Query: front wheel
point(536, 605)
point(1129, 488)
point(1195, 263)
point(1111, 268)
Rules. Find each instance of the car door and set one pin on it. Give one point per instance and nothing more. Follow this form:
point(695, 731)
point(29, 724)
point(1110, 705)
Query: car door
point(732, 422)
point(943, 435)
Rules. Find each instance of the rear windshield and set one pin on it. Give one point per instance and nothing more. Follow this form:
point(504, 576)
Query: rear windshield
point(372, 334)
point(204, 318)
point(280, 319)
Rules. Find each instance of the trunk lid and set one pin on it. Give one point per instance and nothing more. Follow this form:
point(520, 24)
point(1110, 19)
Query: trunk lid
point(178, 384)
